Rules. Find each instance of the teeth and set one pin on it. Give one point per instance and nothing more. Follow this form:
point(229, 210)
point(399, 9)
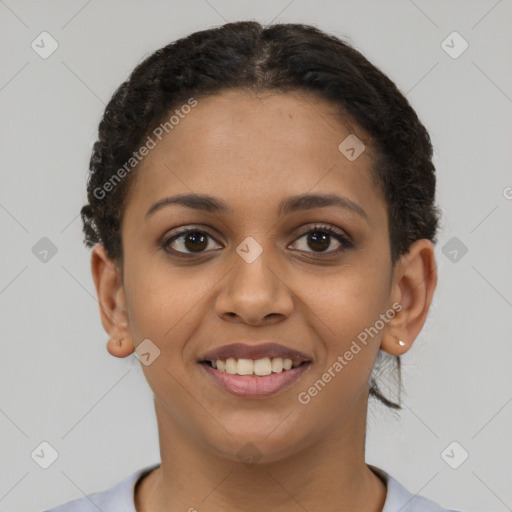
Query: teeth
point(245, 367)
point(260, 367)
point(231, 366)
point(277, 364)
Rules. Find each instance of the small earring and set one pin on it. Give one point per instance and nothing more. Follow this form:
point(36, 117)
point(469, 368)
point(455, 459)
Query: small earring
point(401, 343)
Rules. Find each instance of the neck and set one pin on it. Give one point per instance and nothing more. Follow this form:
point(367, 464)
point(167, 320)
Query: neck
point(329, 473)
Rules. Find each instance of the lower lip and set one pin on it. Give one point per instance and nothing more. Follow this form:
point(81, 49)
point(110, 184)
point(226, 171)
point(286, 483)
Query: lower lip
point(252, 386)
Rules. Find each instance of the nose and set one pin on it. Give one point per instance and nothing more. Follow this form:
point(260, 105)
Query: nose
point(254, 294)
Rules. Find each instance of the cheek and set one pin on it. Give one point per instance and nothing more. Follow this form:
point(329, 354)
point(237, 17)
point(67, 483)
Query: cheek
point(163, 303)
point(344, 315)
point(349, 301)
point(353, 309)
point(166, 307)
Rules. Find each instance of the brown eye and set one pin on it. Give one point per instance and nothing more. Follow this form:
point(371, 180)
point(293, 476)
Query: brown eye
point(196, 241)
point(188, 241)
point(319, 240)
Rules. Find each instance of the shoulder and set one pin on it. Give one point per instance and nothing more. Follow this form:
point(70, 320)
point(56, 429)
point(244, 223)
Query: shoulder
point(399, 499)
point(119, 498)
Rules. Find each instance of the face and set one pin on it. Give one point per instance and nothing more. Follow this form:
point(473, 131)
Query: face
point(291, 283)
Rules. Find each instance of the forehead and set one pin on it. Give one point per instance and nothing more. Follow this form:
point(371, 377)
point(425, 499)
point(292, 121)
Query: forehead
point(253, 149)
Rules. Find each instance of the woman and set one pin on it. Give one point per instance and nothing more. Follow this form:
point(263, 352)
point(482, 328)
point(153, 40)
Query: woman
point(261, 207)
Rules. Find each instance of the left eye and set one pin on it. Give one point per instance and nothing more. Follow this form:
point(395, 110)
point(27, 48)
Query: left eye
point(319, 239)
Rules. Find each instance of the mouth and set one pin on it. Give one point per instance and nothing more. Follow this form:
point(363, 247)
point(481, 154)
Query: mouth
point(256, 371)
point(259, 367)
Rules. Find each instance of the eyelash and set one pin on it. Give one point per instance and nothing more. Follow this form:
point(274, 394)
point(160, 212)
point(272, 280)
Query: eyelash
point(344, 241)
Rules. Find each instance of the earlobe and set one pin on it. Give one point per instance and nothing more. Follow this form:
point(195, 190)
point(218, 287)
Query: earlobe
point(120, 347)
point(413, 287)
point(110, 293)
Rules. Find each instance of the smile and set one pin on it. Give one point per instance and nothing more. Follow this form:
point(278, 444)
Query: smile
point(254, 378)
point(260, 367)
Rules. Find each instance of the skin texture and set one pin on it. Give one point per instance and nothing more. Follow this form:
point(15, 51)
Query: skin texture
point(251, 151)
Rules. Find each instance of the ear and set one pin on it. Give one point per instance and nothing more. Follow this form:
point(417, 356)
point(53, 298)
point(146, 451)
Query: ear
point(111, 299)
point(413, 284)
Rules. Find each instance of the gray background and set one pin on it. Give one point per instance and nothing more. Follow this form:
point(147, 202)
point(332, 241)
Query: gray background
point(57, 381)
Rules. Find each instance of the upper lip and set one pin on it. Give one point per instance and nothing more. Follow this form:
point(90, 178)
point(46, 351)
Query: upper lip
point(260, 351)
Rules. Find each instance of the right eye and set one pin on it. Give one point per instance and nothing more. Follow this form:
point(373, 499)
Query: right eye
point(188, 241)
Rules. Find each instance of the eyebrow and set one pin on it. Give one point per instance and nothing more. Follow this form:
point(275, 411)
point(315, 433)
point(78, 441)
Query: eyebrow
point(289, 205)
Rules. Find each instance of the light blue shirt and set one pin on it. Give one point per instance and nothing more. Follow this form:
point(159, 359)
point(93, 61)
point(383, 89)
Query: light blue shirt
point(120, 498)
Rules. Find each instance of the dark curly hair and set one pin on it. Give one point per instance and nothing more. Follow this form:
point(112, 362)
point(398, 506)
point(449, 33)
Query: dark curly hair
point(279, 57)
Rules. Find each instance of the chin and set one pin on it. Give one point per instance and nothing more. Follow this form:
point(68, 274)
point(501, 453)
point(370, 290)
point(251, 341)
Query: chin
point(259, 442)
